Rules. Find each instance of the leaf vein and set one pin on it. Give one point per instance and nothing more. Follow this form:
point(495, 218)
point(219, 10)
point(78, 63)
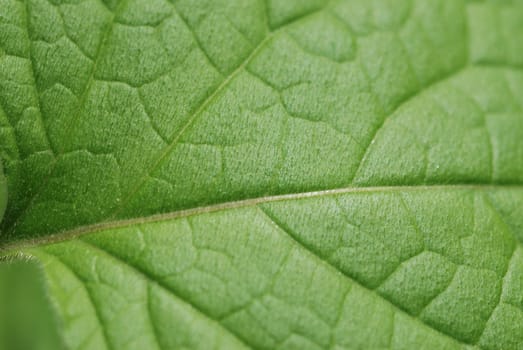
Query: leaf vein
point(148, 277)
point(298, 242)
point(7, 248)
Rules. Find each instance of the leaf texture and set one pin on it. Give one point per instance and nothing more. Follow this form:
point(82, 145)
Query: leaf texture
point(273, 174)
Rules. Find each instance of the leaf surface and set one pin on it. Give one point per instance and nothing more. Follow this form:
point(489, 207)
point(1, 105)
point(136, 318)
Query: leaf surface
point(268, 174)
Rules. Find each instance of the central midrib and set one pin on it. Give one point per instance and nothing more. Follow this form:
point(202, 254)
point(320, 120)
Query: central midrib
point(12, 248)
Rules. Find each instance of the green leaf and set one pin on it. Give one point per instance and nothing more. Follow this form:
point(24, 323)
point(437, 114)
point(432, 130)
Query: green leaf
point(276, 174)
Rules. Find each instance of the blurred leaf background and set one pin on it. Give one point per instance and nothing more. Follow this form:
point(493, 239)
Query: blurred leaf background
point(26, 318)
